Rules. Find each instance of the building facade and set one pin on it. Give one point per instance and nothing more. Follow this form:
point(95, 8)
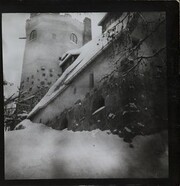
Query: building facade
point(48, 36)
point(116, 82)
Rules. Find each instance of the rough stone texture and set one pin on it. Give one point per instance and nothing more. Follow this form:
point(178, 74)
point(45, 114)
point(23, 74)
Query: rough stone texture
point(131, 88)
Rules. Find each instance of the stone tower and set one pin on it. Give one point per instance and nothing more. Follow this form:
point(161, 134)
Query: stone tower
point(48, 36)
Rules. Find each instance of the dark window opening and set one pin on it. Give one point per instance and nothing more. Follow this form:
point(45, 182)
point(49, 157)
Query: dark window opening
point(98, 103)
point(91, 80)
point(30, 89)
point(27, 79)
point(32, 82)
point(64, 124)
point(59, 75)
point(33, 35)
point(43, 74)
point(51, 75)
point(50, 70)
point(73, 38)
point(74, 90)
point(42, 68)
point(32, 76)
point(69, 62)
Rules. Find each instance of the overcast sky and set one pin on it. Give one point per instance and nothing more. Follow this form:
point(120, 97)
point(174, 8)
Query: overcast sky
point(13, 27)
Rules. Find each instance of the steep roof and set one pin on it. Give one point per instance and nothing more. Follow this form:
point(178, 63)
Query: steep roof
point(103, 19)
point(86, 55)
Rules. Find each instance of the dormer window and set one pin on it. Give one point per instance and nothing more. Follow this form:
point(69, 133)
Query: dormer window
point(68, 58)
point(68, 62)
point(33, 35)
point(73, 38)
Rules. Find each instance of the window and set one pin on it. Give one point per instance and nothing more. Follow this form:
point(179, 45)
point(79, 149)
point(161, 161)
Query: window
point(91, 80)
point(73, 38)
point(68, 62)
point(33, 35)
point(74, 90)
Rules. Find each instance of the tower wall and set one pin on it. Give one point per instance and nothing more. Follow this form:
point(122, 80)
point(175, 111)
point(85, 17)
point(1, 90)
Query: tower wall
point(48, 36)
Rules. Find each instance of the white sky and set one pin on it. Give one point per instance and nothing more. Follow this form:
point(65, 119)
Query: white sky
point(13, 27)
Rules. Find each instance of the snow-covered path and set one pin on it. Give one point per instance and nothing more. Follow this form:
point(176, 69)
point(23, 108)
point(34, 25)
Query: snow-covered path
point(40, 152)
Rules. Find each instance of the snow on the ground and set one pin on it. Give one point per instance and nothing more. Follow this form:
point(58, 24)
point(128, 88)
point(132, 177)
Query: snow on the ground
point(39, 152)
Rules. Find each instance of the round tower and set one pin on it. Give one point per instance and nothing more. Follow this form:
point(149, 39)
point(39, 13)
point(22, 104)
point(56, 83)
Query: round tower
point(48, 36)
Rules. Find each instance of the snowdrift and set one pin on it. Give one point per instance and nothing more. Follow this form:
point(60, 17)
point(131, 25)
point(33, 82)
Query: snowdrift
point(39, 152)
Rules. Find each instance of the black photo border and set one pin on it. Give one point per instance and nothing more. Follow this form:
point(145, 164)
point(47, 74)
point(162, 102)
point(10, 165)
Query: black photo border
point(173, 79)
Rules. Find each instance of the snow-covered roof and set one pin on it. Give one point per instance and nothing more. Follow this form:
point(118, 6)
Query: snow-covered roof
point(68, 54)
point(102, 20)
point(87, 54)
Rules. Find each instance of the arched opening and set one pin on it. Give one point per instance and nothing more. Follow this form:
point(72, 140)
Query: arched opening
point(73, 38)
point(64, 124)
point(33, 35)
point(98, 104)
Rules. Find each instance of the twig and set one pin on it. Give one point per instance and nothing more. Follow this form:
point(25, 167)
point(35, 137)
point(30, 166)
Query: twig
point(155, 54)
point(140, 59)
point(140, 42)
point(142, 17)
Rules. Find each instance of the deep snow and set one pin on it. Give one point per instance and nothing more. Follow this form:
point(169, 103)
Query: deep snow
point(39, 152)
